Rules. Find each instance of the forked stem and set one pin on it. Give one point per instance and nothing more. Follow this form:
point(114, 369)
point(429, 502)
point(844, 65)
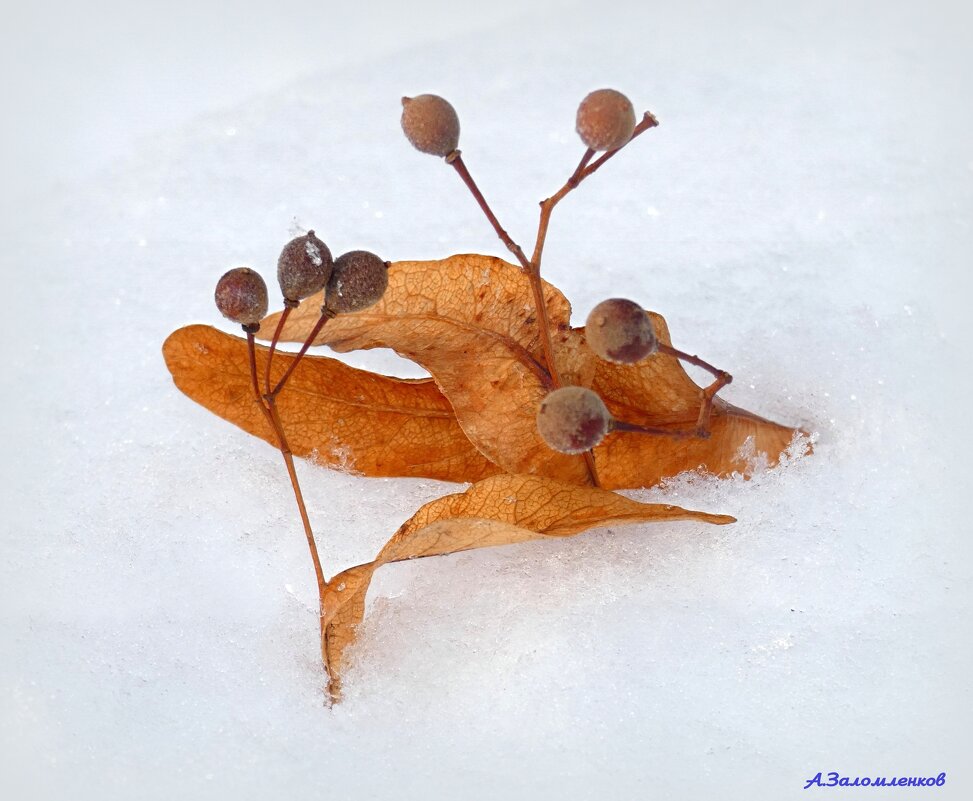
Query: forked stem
point(532, 266)
point(455, 159)
point(252, 351)
point(537, 288)
point(585, 168)
point(268, 405)
point(722, 378)
point(288, 305)
point(326, 314)
point(706, 403)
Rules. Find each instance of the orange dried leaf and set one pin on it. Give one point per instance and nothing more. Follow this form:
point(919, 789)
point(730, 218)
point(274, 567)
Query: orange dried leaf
point(500, 510)
point(347, 418)
point(469, 320)
point(657, 392)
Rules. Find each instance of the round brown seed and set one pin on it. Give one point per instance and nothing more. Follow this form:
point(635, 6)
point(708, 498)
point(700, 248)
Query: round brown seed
point(241, 296)
point(431, 124)
point(358, 281)
point(606, 120)
point(620, 331)
point(304, 267)
point(573, 420)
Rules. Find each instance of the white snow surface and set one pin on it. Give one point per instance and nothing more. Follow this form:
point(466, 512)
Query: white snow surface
point(802, 217)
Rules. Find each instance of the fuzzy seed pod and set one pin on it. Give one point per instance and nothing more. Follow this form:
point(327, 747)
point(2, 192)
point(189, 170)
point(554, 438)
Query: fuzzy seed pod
point(573, 420)
point(620, 331)
point(431, 124)
point(605, 120)
point(241, 296)
point(304, 267)
point(358, 281)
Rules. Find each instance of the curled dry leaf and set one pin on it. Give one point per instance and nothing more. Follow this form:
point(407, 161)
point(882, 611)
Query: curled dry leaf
point(657, 392)
point(501, 510)
point(349, 419)
point(468, 320)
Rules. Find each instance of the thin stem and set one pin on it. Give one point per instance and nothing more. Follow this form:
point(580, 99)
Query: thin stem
point(634, 428)
point(544, 324)
point(583, 170)
point(589, 461)
point(273, 342)
point(536, 286)
point(706, 396)
point(706, 403)
point(456, 160)
point(326, 314)
point(648, 121)
point(251, 349)
point(547, 206)
point(268, 406)
point(575, 178)
point(298, 495)
point(668, 350)
point(533, 267)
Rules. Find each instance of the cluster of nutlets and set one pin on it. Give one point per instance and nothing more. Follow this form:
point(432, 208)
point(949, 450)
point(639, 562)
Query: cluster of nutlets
point(352, 282)
point(575, 419)
point(605, 121)
point(570, 419)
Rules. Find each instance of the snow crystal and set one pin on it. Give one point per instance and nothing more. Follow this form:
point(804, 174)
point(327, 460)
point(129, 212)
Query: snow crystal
point(313, 253)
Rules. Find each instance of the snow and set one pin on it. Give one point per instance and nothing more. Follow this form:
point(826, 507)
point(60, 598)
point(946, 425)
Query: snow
point(801, 217)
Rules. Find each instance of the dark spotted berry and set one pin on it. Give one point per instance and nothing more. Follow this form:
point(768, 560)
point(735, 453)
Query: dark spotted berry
point(605, 120)
point(358, 281)
point(573, 420)
point(431, 124)
point(304, 267)
point(620, 331)
point(241, 296)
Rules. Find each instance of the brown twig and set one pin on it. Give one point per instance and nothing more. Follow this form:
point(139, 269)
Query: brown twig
point(455, 159)
point(537, 289)
point(532, 267)
point(634, 428)
point(326, 314)
point(291, 471)
point(706, 403)
point(583, 170)
point(268, 405)
point(288, 305)
point(252, 351)
point(668, 350)
point(722, 378)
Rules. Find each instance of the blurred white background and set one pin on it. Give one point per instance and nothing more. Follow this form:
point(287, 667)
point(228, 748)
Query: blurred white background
point(87, 82)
